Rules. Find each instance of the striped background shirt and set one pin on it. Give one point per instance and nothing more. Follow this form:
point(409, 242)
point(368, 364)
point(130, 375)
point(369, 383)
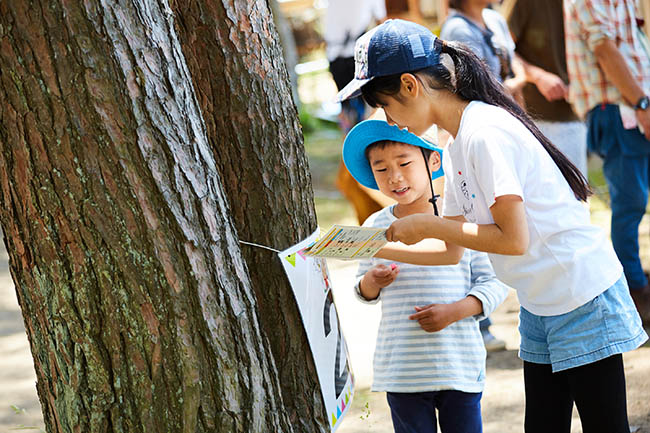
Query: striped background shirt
point(586, 24)
point(409, 359)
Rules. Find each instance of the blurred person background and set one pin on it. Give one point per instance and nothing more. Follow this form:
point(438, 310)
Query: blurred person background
point(538, 31)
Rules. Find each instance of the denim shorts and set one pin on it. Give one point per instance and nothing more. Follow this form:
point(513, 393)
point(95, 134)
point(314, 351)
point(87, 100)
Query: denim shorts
point(607, 325)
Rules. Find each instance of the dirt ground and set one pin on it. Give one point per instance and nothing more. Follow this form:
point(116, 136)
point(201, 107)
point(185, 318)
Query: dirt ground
point(503, 399)
point(19, 406)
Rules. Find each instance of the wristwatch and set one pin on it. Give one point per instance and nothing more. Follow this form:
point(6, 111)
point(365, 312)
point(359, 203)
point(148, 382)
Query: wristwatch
point(643, 103)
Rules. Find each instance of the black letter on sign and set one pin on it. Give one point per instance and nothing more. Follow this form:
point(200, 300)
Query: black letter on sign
point(340, 378)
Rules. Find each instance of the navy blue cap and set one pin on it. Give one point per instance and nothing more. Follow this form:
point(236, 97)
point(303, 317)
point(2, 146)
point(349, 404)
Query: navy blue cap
point(393, 47)
point(371, 131)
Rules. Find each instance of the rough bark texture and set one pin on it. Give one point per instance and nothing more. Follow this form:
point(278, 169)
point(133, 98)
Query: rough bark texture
point(254, 130)
point(289, 51)
point(135, 295)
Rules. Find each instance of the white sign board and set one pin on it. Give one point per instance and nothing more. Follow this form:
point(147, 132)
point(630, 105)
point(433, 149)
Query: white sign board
point(311, 286)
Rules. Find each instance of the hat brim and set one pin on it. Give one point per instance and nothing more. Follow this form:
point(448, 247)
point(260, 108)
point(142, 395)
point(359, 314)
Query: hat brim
point(371, 131)
point(351, 90)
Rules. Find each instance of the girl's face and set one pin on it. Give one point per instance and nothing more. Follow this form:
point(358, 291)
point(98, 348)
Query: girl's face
point(400, 172)
point(407, 114)
point(410, 108)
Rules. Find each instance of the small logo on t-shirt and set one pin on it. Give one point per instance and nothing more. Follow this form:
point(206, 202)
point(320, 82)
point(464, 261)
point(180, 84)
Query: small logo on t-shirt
point(468, 212)
point(463, 188)
point(468, 206)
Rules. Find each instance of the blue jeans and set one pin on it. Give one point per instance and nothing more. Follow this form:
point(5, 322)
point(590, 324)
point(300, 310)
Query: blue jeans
point(484, 325)
point(458, 412)
point(626, 166)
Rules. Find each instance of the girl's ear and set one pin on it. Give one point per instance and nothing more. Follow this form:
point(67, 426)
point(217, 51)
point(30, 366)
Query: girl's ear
point(410, 84)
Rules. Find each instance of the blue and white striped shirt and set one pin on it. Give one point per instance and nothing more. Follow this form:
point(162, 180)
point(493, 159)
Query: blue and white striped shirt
point(409, 359)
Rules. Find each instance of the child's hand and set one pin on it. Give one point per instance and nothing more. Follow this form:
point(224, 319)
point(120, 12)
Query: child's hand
point(407, 229)
point(434, 317)
point(376, 279)
point(381, 276)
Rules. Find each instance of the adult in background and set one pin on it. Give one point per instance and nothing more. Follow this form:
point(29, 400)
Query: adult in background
point(345, 21)
point(404, 9)
point(537, 28)
point(609, 75)
point(486, 33)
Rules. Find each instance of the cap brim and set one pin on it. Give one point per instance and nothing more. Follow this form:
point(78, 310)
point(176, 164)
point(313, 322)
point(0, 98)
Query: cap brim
point(371, 131)
point(351, 90)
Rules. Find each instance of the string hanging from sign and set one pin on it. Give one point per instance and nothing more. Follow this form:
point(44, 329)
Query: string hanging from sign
point(260, 246)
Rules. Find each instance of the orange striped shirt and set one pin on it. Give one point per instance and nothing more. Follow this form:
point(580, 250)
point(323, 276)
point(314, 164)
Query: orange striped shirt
point(586, 24)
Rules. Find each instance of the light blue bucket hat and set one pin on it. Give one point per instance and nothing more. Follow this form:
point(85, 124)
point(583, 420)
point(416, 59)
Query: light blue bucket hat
point(371, 131)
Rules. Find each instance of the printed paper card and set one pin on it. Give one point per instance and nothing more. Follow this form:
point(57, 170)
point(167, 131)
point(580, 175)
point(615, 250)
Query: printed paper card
point(349, 242)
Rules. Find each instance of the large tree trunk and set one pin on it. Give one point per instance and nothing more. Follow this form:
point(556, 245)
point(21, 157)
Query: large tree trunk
point(136, 298)
point(253, 127)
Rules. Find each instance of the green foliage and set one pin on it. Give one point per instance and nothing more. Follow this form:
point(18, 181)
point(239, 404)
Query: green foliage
point(334, 211)
point(308, 121)
point(21, 411)
point(18, 410)
point(365, 414)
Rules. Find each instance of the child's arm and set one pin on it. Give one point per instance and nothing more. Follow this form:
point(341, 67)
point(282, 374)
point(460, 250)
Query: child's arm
point(427, 252)
point(508, 234)
point(485, 285)
point(376, 279)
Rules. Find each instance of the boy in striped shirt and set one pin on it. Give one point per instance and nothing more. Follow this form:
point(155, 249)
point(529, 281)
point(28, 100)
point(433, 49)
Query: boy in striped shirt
point(429, 354)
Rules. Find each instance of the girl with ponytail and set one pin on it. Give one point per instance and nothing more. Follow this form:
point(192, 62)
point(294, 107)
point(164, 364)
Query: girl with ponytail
point(511, 193)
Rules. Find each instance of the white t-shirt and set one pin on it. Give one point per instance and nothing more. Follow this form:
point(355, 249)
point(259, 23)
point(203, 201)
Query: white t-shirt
point(346, 20)
point(568, 261)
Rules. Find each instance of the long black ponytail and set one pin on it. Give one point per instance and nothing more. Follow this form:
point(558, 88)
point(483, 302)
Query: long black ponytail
point(472, 81)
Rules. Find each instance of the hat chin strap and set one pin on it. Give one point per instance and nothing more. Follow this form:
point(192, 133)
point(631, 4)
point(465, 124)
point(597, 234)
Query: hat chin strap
point(434, 197)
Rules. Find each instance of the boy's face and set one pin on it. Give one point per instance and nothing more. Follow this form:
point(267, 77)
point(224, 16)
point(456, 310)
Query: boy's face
point(400, 172)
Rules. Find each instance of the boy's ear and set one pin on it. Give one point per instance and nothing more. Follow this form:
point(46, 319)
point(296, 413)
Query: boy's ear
point(435, 161)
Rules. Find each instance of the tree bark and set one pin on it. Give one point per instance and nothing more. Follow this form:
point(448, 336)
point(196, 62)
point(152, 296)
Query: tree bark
point(253, 127)
point(136, 298)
